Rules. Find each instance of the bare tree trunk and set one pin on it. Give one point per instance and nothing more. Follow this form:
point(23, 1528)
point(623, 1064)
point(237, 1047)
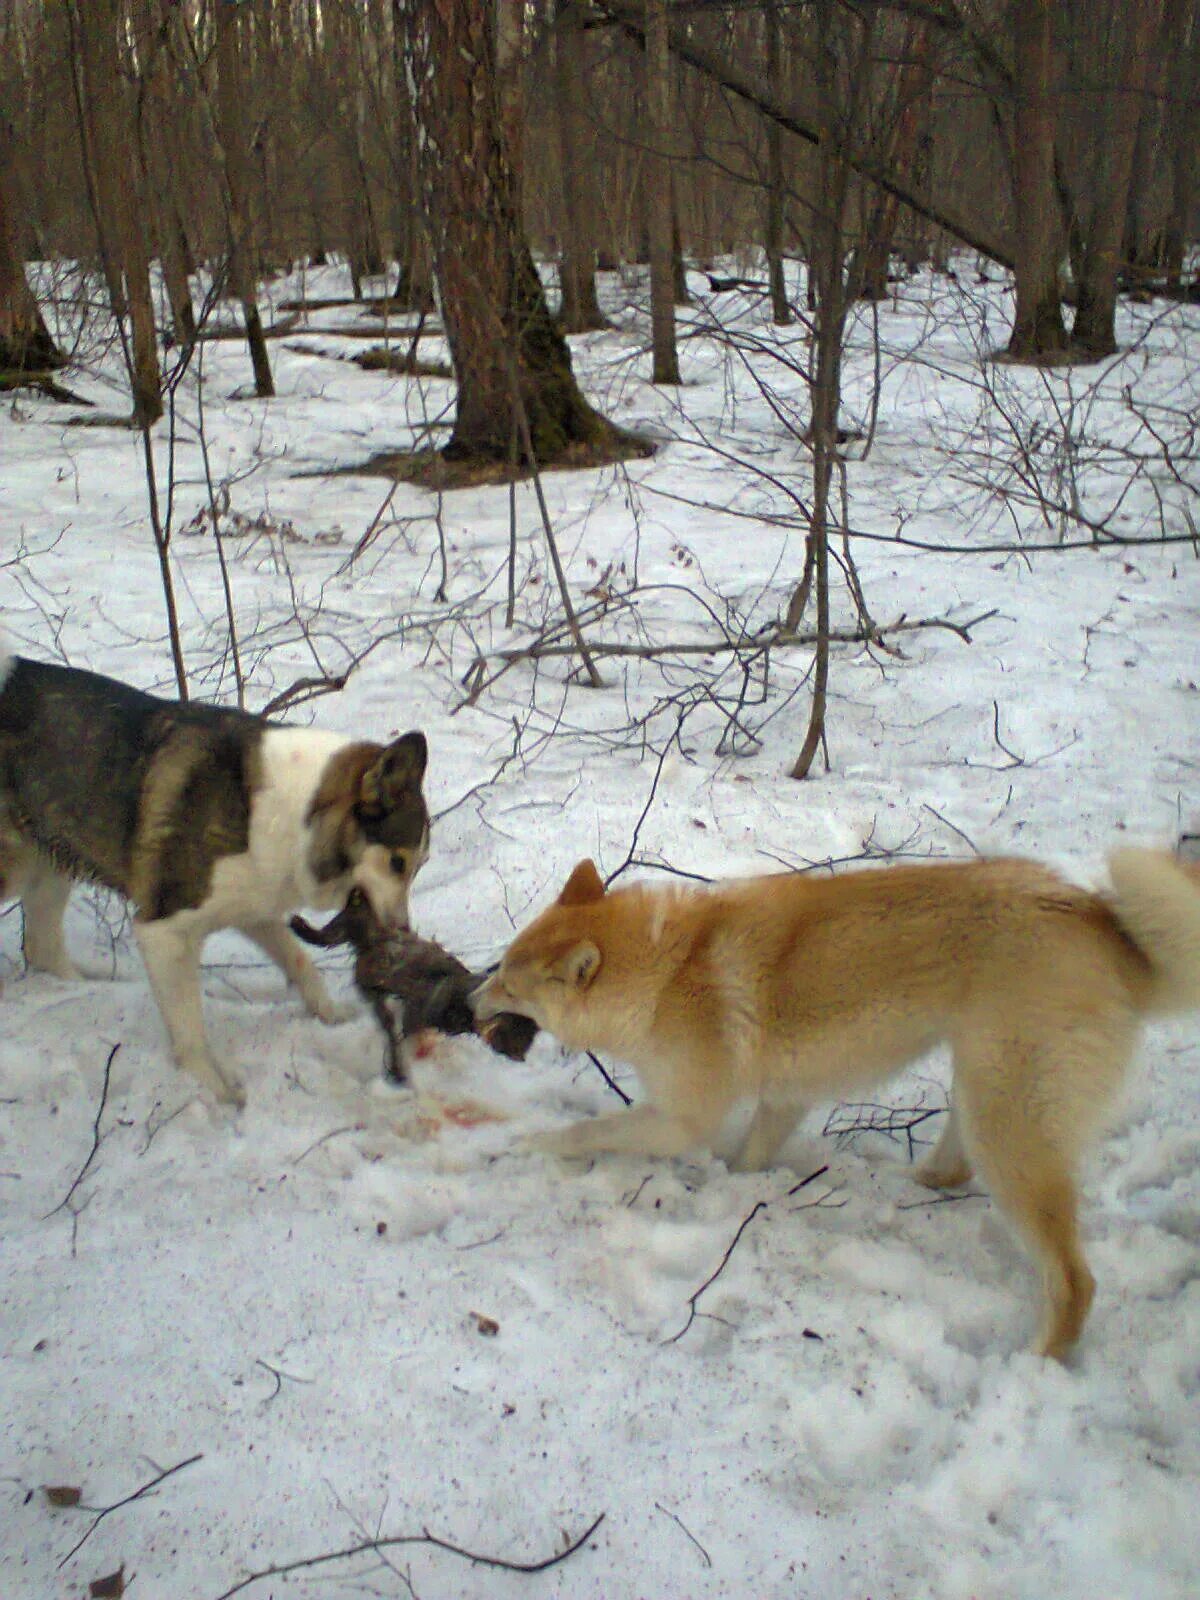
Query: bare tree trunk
point(706, 230)
point(157, 113)
point(175, 276)
point(233, 144)
point(781, 311)
point(917, 234)
point(108, 135)
point(1094, 331)
point(1182, 130)
point(825, 265)
point(1141, 243)
point(510, 71)
point(414, 278)
point(678, 264)
point(25, 342)
point(657, 198)
point(580, 308)
point(368, 42)
point(869, 274)
point(1039, 332)
point(510, 361)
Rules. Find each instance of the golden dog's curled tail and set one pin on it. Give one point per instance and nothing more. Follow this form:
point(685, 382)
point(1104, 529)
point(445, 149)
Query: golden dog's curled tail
point(1156, 898)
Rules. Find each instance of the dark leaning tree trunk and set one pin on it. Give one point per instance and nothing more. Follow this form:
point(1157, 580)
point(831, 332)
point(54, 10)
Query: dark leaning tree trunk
point(509, 357)
point(25, 343)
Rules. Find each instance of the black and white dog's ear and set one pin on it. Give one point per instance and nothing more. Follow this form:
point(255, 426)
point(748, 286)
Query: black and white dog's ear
point(397, 771)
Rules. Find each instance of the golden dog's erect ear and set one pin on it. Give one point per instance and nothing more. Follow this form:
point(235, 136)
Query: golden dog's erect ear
point(583, 886)
point(397, 771)
point(578, 965)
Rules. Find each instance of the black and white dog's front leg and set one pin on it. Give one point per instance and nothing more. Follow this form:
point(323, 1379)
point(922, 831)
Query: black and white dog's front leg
point(290, 956)
point(171, 953)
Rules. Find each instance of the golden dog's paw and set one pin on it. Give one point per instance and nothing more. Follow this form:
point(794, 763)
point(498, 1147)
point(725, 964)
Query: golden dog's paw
point(561, 1142)
point(221, 1084)
point(330, 1011)
point(943, 1175)
point(232, 1093)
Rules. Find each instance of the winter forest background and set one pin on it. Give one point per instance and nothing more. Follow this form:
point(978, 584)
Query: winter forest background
point(743, 436)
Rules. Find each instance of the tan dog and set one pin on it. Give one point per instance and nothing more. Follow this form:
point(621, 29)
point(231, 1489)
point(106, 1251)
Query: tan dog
point(791, 989)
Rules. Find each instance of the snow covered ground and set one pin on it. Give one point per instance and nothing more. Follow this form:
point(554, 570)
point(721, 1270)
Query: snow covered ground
point(295, 1303)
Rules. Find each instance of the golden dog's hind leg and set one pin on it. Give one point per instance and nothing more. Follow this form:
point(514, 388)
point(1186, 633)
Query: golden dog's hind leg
point(1046, 1213)
point(1041, 1204)
point(948, 1166)
point(1023, 1117)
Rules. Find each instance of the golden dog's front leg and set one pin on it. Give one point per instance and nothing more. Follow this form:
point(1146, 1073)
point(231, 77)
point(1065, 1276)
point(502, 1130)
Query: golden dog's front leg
point(641, 1131)
point(771, 1128)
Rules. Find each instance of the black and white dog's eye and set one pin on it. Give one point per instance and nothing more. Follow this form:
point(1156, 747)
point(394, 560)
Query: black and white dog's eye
point(400, 862)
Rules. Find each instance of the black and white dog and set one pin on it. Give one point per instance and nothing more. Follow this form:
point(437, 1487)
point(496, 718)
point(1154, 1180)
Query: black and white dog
point(204, 818)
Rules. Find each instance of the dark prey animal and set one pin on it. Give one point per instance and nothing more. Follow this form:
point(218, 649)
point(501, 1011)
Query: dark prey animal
point(431, 985)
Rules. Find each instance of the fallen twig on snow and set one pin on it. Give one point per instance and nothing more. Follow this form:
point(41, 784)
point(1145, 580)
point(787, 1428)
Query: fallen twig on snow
point(713, 1276)
point(91, 1156)
point(391, 1541)
point(545, 649)
point(679, 1523)
point(279, 1377)
point(954, 828)
point(762, 1205)
point(128, 1500)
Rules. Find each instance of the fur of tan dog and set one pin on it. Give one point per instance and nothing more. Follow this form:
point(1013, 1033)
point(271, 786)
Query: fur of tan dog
point(792, 989)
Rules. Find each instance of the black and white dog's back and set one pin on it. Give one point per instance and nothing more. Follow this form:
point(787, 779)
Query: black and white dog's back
point(205, 818)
